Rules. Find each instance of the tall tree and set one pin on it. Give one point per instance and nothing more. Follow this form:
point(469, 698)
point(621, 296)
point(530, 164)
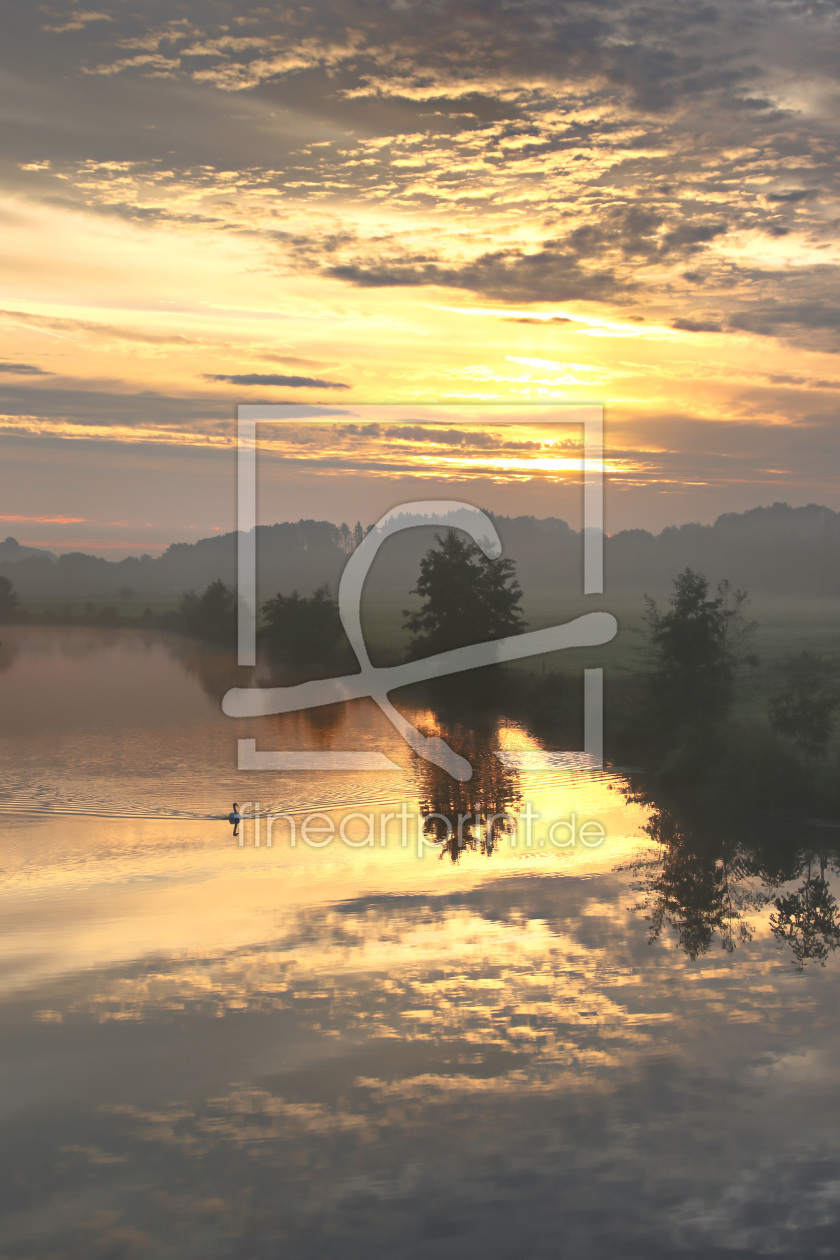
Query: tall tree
point(466, 597)
point(697, 645)
point(346, 537)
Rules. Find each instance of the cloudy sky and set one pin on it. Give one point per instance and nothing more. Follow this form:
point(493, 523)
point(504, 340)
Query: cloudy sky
point(364, 202)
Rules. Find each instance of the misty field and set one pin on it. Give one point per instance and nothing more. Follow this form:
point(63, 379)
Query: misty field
point(784, 627)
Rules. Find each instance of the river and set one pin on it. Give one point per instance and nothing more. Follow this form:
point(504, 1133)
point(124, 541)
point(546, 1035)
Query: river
point(368, 1038)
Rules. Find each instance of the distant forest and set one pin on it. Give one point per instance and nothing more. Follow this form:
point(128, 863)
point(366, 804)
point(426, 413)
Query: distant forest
point(777, 551)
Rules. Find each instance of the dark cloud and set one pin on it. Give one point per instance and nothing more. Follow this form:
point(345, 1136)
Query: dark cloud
point(688, 238)
point(545, 276)
point(146, 408)
point(23, 369)
point(696, 325)
point(561, 271)
point(366, 430)
point(794, 195)
point(470, 438)
point(273, 378)
point(799, 318)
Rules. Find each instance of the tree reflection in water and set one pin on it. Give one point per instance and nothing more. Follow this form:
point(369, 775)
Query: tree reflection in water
point(476, 815)
point(708, 875)
point(215, 668)
point(217, 672)
point(715, 864)
point(807, 919)
point(696, 887)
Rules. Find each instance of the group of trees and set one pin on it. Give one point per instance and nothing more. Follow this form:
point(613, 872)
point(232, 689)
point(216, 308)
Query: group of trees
point(304, 553)
point(466, 599)
point(779, 550)
point(350, 538)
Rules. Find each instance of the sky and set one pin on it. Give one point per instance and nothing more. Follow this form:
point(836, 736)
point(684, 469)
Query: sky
point(206, 204)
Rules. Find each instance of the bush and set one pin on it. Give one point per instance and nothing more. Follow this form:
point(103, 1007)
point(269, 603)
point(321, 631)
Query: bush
point(211, 616)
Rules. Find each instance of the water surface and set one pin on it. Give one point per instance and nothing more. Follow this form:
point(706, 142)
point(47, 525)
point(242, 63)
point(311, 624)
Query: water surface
point(213, 1050)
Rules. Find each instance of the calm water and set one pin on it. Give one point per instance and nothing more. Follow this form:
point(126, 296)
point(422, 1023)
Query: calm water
point(213, 1050)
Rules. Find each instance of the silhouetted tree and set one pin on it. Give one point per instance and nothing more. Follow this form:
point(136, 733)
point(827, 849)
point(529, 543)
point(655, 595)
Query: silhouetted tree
point(696, 646)
point(803, 708)
point(211, 616)
point(346, 537)
point(302, 629)
point(466, 598)
point(358, 534)
point(8, 600)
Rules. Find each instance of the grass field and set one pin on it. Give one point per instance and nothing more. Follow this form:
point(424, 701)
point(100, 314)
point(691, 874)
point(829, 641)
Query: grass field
point(784, 627)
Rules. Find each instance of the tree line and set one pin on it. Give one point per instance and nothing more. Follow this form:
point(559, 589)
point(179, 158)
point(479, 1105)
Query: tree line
point(777, 550)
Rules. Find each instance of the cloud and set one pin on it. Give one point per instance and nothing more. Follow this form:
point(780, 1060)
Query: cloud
point(538, 319)
point(22, 369)
point(77, 21)
point(562, 270)
point(45, 520)
point(65, 410)
point(568, 154)
point(546, 276)
point(537, 152)
point(470, 438)
point(103, 331)
point(794, 195)
point(272, 378)
point(810, 321)
point(697, 325)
